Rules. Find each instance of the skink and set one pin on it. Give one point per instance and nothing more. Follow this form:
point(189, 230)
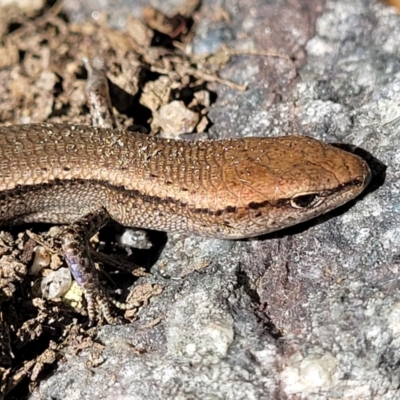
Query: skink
point(83, 176)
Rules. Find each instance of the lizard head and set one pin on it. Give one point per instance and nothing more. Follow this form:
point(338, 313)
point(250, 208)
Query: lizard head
point(279, 182)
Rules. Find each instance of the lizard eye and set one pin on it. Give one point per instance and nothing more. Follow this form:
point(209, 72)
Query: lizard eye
point(306, 200)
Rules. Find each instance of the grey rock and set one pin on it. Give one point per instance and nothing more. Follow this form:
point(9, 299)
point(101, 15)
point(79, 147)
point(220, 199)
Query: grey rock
point(313, 312)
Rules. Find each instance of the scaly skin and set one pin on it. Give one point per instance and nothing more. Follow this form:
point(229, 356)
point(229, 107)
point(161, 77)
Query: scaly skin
point(223, 188)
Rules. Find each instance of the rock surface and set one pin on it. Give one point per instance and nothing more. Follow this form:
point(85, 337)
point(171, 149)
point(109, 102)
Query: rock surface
point(310, 313)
